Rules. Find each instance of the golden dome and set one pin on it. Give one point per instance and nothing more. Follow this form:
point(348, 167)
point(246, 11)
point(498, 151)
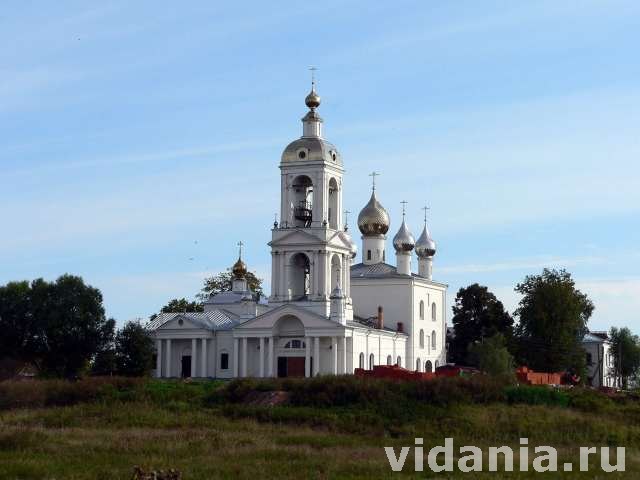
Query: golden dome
point(239, 269)
point(373, 219)
point(313, 99)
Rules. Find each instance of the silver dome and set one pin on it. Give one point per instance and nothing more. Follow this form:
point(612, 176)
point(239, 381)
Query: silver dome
point(373, 218)
point(403, 241)
point(425, 246)
point(309, 149)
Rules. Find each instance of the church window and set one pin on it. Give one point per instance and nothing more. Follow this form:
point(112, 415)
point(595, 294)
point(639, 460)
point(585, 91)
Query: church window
point(368, 254)
point(372, 359)
point(224, 361)
point(389, 360)
point(399, 361)
point(437, 364)
point(421, 338)
point(300, 276)
point(433, 340)
point(302, 154)
point(433, 311)
point(427, 367)
point(333, 204)
point(421, 310)
point(361, 360)
point(295, 344)
point(417, 364)
point(384, 256)
point(302, 201)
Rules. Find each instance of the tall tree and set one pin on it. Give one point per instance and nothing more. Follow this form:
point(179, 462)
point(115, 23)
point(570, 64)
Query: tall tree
point(58, 326)
point(477, 314)
point(134, 350)
point(553, 316)
point(222, 283)
point(625, 348)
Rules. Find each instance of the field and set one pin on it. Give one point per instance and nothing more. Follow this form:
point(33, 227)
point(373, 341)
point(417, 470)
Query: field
point(330, 428)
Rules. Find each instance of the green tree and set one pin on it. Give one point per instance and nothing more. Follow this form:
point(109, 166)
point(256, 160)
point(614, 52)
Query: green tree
point(134, 350)
point(182, 305)
point(553, 318)
point(222, 283)
point(492, 356)
point(625, 348)
point(477, 314)
point(57, 326)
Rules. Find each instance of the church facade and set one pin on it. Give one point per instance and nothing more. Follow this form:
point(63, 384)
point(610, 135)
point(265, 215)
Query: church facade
point(327, 312)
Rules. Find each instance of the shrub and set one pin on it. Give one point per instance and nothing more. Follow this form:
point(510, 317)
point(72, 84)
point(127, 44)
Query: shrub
point(532, 395)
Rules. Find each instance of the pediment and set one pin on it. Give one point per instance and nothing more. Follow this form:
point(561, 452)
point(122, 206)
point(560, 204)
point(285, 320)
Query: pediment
point(340, 240)
point(175, 324)
point(296, 237)
point(270, 319)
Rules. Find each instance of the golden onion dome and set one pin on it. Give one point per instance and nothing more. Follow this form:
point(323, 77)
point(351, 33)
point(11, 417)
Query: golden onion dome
point(313, 99)
point(373, 218)
point(403, 241)
point(239, 269)
point(425, 246)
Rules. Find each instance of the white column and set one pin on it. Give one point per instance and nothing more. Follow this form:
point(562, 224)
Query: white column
point(194, 349)
point(334, 355)
point(243, 364)
point(271, 349)
point(307, 357)
point(168, 361)
point(158, 358)
point(205, 359)
point(316, 356)
point(261, 356)
point(343, 355)
point(236, 357)
point(350, 355)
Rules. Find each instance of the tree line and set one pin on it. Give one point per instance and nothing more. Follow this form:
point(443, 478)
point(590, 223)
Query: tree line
point(552, 320)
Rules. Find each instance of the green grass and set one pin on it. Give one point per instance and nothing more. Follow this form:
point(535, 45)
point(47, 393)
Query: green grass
point(165, 425)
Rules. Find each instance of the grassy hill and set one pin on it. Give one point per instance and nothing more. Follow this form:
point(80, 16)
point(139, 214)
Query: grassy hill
point(326, 427)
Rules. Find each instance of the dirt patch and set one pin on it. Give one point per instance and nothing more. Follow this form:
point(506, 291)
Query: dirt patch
point(268, 399)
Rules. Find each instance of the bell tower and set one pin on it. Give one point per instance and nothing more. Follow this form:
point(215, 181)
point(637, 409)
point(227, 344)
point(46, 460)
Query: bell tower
point(311, 249)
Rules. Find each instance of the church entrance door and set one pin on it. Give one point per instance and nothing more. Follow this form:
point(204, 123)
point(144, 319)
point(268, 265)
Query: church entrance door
point(186, 366)
point(291, 366)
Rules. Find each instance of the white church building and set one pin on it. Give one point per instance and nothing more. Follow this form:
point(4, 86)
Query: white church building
point(326, 313)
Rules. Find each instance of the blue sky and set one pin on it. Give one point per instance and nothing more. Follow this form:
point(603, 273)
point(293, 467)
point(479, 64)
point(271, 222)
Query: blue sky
point(129, 132)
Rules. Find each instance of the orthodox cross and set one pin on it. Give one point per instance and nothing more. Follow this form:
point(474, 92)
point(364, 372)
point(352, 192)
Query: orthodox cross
point(313, 76)
point(240, 244)
point(346, 219)
point(404, 205)
point(373, 176)
point(425, 208)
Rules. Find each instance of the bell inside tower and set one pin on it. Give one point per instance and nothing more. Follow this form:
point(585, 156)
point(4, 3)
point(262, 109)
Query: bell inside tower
point(303, 201)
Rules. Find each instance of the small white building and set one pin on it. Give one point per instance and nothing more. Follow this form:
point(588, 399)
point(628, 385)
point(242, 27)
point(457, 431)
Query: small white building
point(325, 315)
point(600, 361)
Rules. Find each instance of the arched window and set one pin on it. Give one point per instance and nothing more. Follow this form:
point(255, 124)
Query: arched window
point(302, 201)
point(399, 361)
point(421, 310)
point(368, 254)
point(389, 360)
point(361, 360)
point(433, 340)
point(417, 364)
point(433, 311)
point(421, 338)
point(333, 204)
point(335, 271)
point(427, 366)
point(295, 344)
point(300, 276)
point(224, 360)
point(371, 361)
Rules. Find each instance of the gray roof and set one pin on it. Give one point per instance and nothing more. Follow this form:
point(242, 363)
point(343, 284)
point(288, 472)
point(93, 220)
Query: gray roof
point(590, 337)
point(382, 270)
point(226, 298)
point(370, 323)
point(213, 320)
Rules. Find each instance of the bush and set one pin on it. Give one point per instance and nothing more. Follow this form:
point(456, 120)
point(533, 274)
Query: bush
point(532, 395)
